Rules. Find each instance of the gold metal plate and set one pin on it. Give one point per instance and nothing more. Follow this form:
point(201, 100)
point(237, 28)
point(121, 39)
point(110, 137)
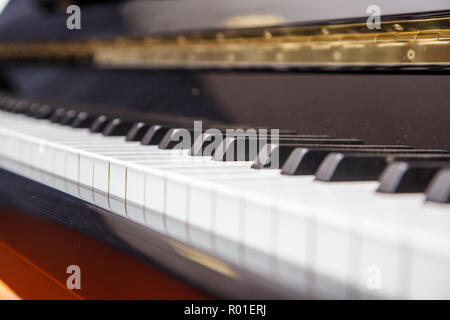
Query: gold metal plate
point(397, 43)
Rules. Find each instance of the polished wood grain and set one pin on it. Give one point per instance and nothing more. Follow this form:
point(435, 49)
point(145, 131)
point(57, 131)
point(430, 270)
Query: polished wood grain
point(35, 253)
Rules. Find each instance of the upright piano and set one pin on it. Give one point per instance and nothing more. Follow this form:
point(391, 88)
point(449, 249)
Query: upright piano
point(257, 149)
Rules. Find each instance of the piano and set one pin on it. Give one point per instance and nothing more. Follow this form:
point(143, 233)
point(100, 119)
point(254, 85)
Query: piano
point(260, 150)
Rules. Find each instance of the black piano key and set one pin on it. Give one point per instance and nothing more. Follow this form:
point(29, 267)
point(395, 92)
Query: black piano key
point(58, 115)
point(33, 109)
point(3, 104)
point(178, 138)
point(407, 177)
point(3, 101)
point(44, 112)
point(155, 134)
point(22, 107)
point(365, 167)
point(117, 127)
point(69, 117)
point(138, 131)
point(247, 148)
point(17, 105)
point(206, 143)
point(83, 120)
point(439, 188)
point(238, 149)
point(262, 130)
point(210, 138)
point(6, 103)
point(99, 124)
point(10, 105)
point(305, 161)
point(211, 131)
point(264, 159)
point(273, 155)
point(225, 150)
point(306, 141)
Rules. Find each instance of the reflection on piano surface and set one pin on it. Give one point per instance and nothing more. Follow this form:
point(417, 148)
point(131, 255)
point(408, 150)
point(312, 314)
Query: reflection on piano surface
point(345, 196)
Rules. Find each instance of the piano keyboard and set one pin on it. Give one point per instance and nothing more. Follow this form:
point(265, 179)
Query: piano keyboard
point(315, 224)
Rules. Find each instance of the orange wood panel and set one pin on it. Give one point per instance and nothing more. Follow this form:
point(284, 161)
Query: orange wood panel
point(28, 280)
point(35, 253)
point(6, 293)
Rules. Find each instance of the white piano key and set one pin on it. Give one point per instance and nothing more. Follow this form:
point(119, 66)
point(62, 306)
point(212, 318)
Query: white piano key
point(71, 187)
point(101, 175)
point(86, 170)
point(383, 266)
point(334, 256)
point(228, 227)
point(259, 223)
point(430, 276)
point(117, 205)
point(177, 193)
point(59, 162)
point(135, 213)
point(200, 217)
point(101, 199)
point(258, 237)
point(155, 190)
point(72, 166)
point(294, 246)
point(135, 186)
point(117, 180)
point(155, 220)
point(44, 158)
